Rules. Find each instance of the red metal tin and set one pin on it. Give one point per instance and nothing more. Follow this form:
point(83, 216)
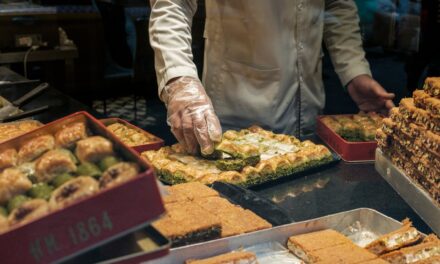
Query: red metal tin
point(349, 151)
point(88, 223)
point(154, 145)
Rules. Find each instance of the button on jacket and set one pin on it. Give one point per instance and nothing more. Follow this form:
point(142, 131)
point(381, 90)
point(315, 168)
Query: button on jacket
point(262, 57)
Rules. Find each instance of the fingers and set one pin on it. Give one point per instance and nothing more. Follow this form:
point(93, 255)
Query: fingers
point(214, 127)
point(389, 104)
point(188, 133)
point(381, 92)
point(175, 122)
point(201, 133)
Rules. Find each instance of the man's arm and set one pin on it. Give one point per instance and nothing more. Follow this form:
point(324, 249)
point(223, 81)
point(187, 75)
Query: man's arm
point(170, 37)
point(343, 39)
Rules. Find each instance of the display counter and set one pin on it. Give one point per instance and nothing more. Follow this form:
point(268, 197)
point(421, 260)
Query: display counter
point(340, 187)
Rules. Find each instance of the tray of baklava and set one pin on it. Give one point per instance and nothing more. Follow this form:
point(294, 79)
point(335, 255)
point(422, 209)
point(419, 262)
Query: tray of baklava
point(133, 136)
point(362, 236)
point(70, 185)
point(248, 157)
point(351, 136)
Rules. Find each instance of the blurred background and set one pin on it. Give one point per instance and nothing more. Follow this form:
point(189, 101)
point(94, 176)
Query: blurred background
point(98, 52)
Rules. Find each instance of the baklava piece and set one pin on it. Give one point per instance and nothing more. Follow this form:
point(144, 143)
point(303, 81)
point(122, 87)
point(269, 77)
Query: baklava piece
point(304, 245)
point(69, 135)
point(432, 86)
point(54, 163)
point(73, 190)
point(28, 211)
point(187, 223)
point(118, 173)
point(93, 149)
point(420, 97)
point(13, 182)
point(414, 254)
point(404, 236)
point(344, 253)
point(35, 147)
point(8, 158)
point(188, 192)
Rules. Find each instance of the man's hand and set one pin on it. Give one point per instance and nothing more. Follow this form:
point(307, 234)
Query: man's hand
point(191, 116)
point(369, 95)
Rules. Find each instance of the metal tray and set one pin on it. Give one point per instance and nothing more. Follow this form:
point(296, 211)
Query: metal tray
point(411, 192)
point(350, 223)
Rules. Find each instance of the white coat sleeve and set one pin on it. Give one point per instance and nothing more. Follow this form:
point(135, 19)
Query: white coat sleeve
point(170, 37)
point(343, 39)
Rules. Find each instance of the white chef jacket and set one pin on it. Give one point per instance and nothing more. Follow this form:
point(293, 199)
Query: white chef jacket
point(262, 57)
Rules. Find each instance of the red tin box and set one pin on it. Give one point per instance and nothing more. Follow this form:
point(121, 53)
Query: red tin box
point(349, 151)
point(157, 143)
point(88, 223)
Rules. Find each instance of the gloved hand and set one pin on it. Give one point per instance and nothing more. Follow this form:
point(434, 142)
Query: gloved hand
point(191, 116)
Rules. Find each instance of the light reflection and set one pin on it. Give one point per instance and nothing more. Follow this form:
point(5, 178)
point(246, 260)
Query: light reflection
point(308, 185)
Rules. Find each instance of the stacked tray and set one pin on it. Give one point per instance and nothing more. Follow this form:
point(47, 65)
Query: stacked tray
point(86, 223)
point(410, 191)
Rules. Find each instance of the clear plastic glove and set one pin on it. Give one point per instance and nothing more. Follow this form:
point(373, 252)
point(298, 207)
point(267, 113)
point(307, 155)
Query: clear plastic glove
point(191, 116)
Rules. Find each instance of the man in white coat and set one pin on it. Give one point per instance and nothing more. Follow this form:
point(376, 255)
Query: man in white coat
point(262, 65)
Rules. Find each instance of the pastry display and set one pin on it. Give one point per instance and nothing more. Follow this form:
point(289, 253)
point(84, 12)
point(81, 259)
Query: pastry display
point(241, 257)
point(130, 136)
point(15, 129)
point(51, 171)
point(411, 137)
point(354, 128)
point(246, 157)
point(215, 216)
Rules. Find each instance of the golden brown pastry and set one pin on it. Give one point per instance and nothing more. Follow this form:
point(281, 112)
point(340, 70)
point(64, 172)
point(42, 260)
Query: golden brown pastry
point(15, 129)
point(118, 174)
point(93, 149)
point(28, 211)
point(53, 163)
point(13, 182)
point(69, 135)
point(35, 148)
point(8, 158)
point(73, 190)
point(130, 136)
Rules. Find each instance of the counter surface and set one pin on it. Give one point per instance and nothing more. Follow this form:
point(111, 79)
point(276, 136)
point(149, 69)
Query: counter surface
point(343, 187)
